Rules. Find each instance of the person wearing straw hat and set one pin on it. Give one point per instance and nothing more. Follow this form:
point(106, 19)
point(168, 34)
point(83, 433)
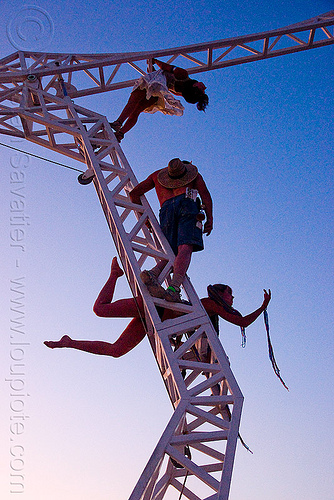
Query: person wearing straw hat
point(177, 187)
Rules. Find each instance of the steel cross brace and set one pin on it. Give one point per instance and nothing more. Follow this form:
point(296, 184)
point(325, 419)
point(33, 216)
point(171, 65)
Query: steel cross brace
point(87, 74)
point(200, 440)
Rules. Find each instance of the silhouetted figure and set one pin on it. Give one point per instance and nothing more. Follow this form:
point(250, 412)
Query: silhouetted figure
point(155, 92)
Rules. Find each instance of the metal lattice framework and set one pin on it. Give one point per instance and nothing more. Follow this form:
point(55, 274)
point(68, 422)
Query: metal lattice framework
point(207, 408)
point(199, 441)
point(88, 74)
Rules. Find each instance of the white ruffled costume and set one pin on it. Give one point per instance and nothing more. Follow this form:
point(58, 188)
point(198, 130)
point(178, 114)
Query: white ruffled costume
point(155, 84)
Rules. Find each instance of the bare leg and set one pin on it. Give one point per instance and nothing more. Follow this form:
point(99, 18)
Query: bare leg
point(136, 104)
point(106, 294)
point(141, 106)
point(181, 264)
point(135, 98)
point(132, 336)
point(124, 308)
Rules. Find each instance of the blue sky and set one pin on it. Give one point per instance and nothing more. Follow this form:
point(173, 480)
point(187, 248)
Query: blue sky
point(264, 147)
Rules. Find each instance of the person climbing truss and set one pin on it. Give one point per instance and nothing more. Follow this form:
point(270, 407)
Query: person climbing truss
point(154, 92)
point(217, 304)
point(177, 187)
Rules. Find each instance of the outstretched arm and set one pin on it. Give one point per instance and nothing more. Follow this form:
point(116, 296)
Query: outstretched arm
point(179, 73)
point(207, 202)
point(212, 307)
point(141, 189)
point(250, 318)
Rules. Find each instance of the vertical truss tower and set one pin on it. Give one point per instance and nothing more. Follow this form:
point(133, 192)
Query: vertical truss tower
point(195, 453)
point(200, 440)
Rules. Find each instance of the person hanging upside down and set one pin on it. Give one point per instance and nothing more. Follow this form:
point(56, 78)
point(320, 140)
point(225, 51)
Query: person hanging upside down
point(154, 92)
point(217, 304)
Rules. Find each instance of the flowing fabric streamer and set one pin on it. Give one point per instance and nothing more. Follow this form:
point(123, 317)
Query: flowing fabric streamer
point(271, 350)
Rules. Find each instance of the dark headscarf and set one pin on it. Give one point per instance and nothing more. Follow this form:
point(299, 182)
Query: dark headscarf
point(215, 292)
point(193, 94)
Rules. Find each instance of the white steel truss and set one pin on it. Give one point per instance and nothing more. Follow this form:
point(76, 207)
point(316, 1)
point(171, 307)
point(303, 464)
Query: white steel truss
point(200, 439)
point(94, 73)
point(195, 454)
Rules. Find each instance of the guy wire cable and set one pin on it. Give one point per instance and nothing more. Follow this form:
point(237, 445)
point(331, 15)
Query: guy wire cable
point(41, 158)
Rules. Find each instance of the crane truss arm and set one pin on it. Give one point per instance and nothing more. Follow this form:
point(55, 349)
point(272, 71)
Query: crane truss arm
point(88, 74)
point(200, 439)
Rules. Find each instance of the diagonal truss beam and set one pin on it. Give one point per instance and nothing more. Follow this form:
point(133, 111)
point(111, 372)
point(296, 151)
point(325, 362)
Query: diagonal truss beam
point(87, 74)
point(200, 440)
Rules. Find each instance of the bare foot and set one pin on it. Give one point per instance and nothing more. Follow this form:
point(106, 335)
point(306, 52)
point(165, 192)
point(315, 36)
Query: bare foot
point(115, 269)
point(65, 341)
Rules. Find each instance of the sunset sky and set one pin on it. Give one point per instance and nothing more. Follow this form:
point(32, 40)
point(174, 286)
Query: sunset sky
point(78, 426)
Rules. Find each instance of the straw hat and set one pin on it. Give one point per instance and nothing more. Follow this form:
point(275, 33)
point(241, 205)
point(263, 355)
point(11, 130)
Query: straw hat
point(177, 174)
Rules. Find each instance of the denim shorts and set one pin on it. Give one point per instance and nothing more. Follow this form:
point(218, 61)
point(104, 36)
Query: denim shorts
point(178, 221)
